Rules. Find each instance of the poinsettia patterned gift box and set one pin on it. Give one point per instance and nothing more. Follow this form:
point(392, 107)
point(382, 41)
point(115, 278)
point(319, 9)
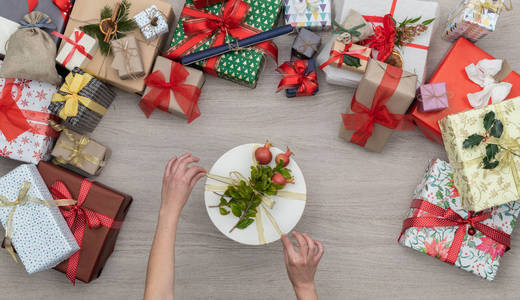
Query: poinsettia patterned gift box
point(437, 225)
point(24, 131)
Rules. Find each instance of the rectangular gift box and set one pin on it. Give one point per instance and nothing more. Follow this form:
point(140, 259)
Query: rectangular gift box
point(475, 252)
point(306, 44)
point(151, 22)
point(242, 67)
point(432, 97)
point(414, 56)
point(7, 27)
point(480, 184)
point(58, 11)
point(40, 236)
point(339, 46)
point(127, 57)
point(86, 11)
point(452, 71)
point(29, 100)
point(89, 112)
point(311, 66)
point(98, 243)
point(70, 57)
point(312, 14)
point(380, 74)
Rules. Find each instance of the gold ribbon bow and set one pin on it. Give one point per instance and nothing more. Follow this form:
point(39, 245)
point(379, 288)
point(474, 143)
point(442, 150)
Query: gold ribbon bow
point(23, 199)
point(74, 83)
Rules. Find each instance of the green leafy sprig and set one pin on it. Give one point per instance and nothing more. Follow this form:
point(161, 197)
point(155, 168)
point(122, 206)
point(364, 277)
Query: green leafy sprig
point(352, 31)
point(243, 199)
point(351, 61)
point(408, 29)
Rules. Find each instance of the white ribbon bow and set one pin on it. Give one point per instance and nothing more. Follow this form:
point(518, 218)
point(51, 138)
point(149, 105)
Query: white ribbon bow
point(483, 74)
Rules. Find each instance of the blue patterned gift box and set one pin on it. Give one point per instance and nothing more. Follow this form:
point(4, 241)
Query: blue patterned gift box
point(312, 14)
point(40, 236)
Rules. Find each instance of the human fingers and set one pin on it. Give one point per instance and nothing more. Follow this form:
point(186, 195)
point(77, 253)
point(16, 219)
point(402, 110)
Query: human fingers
point(197, 177)
point(320, 252)
point(310, 243)
point(287, 245)
point(183, 165)
point(167, 169)
point(175, 166)
point(303, 248)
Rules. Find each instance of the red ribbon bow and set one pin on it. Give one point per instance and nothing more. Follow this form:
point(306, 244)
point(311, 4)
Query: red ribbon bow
point(78, 217)
point(339, 56)
point(295, 76)
point(383, 39)
point(201, 26)
point(186, 95)
point(364, 119)
point(12, 121)
point(63, 5)
point(440, 217)
point(78, 35)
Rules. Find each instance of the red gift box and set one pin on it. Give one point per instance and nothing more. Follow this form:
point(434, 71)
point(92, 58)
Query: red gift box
point(452, 71)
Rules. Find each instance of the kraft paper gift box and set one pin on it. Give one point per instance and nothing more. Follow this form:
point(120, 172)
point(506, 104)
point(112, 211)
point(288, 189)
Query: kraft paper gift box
point(432, 97)
point(181, 102)
point(343, 55)
point(312, 14)
point(151, 22)
point(485, 166)
point(452, 71)
point(442, 232)
point(127, 57)
point(25, 134)
point(70, 56)
point(94, 98)
point(108, 205)
point(473, 19)
point(383, 88)
point(40, 234)
point(88, 12)
point(414, 56)
point(306, 44)
point(7, 27)
point(242, 67)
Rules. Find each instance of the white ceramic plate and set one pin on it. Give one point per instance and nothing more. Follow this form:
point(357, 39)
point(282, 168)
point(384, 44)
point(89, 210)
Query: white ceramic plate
point(286, 212)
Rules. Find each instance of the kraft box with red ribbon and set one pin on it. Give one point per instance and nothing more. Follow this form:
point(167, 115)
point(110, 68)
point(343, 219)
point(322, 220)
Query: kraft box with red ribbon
point(437, 225)
point(25, 134)
point(95, 220)
point(379, 106)
point(453, 71)
point(215, 25)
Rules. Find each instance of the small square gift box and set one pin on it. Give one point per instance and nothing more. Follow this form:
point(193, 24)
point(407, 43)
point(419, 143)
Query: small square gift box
point(432, 97)
point(474, 19)
point(25, 134)
point(8, 28)
point(127, 58)
point(487, 82)
point(483, 147)
point(306, 44)
point(299, 78)
point(151, 22)
point(78, 152)
point(379, 106)
point(95, 220)
point(312, 14)
point(355, 26)
point(173, 88)
point(77, 50)
point(81, 101)
point(439, 226)
point(35, 231)
point(346, 55)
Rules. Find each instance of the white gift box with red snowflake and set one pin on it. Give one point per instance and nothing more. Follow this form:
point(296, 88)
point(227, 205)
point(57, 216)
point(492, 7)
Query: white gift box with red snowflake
point(25, 134)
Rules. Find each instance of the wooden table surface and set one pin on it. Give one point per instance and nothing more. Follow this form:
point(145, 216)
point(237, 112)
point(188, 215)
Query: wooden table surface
point(356, 199)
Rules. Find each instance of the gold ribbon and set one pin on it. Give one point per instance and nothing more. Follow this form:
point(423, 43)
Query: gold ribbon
point(478, 8)
point(74, 83)
point(23, 199)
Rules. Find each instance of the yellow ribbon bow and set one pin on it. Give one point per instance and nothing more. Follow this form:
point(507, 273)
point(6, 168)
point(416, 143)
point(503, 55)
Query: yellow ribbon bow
point(23, 199)
point(74, 83)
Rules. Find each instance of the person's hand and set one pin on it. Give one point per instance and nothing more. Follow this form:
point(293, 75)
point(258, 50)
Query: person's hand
point(179, 180)
point(302, 263)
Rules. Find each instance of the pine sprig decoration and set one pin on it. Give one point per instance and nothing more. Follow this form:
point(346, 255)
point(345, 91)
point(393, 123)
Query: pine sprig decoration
point(407, 30)
point(122, 20)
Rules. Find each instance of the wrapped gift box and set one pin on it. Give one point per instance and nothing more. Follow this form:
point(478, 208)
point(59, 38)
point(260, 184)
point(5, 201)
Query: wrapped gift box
point(127, 57)
point(40, 235)
point(242, 67)
point(86, 11)
point(152, 23)
point(70, 56)
point(306, 44)
point(344, 56)
point(480, 184)
point(432, 97)
point(58, 11)
point(27, 102)
point(312, 14)
point(292, 72)
point(97, 243)
point(394, 91)
point(451, 71)
point(96, 98)
point(468, 248)
point(414, 56)
point(7, 27)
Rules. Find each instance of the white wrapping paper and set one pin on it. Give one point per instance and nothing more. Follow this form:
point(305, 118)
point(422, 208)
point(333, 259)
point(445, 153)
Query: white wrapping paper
point(78, 59)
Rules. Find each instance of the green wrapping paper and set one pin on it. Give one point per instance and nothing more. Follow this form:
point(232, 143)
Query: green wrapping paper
point(243, 66)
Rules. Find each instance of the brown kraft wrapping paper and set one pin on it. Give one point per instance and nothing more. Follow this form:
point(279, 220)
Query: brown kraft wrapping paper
point(398, 103)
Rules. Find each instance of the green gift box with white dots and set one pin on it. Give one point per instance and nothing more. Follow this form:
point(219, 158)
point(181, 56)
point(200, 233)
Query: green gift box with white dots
point(243, 66)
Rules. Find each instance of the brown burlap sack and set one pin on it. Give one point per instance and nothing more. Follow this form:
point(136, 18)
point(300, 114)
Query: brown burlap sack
point(31, 52)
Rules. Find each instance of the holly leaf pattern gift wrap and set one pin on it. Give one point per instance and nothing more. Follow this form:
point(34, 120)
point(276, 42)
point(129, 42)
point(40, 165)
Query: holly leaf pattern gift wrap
point(451, 233)
point(481, 183)
point(196, 31)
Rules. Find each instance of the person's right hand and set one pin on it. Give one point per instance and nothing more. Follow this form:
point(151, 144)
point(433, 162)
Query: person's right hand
point(302, 263)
